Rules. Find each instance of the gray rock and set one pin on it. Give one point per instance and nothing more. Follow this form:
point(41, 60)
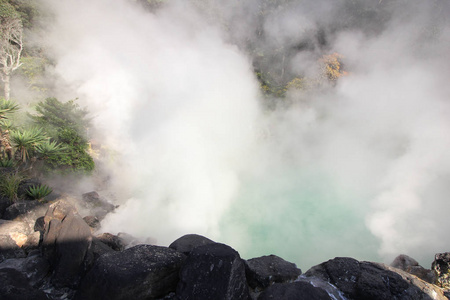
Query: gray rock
point(410, 265)
point(140, 272)
point(66, 242)
point(213, 271)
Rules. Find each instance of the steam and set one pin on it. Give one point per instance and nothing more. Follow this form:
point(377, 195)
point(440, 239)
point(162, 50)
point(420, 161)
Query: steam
point(360, 169)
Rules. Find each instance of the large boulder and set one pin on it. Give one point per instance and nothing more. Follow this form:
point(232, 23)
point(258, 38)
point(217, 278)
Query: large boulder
point(294, 291)
point(441, 267)
point(213, 271)
point(187, 242)
point(410, 265)
point(367, 280)
point(140, 272)
point(66, 243)
point(264, 271)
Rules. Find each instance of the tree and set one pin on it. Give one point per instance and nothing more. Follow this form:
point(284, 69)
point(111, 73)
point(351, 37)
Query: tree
point(11, 44)
point(66, 123)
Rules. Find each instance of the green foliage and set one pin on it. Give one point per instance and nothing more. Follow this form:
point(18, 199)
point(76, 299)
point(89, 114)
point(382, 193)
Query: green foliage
point(9, 184)
point(7, 11)
point(26, 141)
point(49, 148)
point(66, 124)
point(7, 107)
point(54, 115)
point(39, 192)
point(7, 163)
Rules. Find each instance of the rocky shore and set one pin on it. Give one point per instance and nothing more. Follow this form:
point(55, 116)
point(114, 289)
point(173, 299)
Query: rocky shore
point(51, 251)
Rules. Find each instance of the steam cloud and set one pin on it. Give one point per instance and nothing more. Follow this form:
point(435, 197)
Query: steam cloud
point(361, 170)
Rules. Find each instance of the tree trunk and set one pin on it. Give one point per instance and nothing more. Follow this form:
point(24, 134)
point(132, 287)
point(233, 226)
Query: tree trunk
point(7, 87)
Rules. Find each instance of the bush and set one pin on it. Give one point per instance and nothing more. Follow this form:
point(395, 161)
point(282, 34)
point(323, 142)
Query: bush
point(66, 124)
point(9, 184)
point(39, 192)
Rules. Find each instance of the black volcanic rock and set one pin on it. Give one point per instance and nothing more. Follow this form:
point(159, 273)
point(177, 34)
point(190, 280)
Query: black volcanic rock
point(263, 271)
point(187, 242)
point(213, 271)
point(366, 281)
point(15, 286)
point(294, 291)
point(140, 272)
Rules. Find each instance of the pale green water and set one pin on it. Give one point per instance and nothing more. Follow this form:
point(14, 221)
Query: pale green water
point(299, 216)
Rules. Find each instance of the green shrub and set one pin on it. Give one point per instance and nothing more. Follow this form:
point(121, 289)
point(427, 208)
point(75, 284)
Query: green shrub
point(39, 192)
point(9, 184)
point(7, 163)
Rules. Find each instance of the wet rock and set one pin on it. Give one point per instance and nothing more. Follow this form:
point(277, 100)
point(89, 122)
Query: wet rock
point(213, 271)
point(263, 271)
point(294, 291)
point(140, 272)
point(187, 242)
point(367, 280)
point(66, 242)
point(410, 265)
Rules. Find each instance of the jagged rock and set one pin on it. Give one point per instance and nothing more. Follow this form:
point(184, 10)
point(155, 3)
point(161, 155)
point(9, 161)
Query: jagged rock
point(263, 271)
point(66, 242)
point(15, 286)
point(112, 241)
point(367, 280)
point(97, 205)
point(187, 242)
point(140, 272)
point(213, 271)
point(441, 266)
point(410, 265)
point(294, 291)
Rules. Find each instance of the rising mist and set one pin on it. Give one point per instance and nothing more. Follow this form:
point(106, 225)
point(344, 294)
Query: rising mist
point(360, 168)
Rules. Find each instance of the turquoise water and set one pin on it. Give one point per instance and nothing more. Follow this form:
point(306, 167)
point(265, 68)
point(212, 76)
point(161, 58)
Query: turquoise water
point(300, 216)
